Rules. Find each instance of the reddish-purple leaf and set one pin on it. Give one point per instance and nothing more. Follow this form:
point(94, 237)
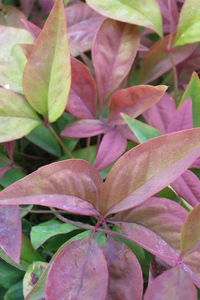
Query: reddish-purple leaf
point(157, 60)
point(85, 128)
point(10, 231)
point(155, 163)
point(32, 28)
point(82, 23)
point(115, 47)
point(172, 284)
point(161, 215)
point(187, 186)
point(9, 146)
point(169, 10)
point(112, 146)
point(196, 164)
point(27, 6)
point(182, 119)
point(160, 115)
point(124, 271)
point(134, 101)
point(82, 96)
point(79, 271)
point(156, 268)
point(75, 177)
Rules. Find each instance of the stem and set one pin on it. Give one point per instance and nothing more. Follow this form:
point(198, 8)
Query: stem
point(88, 149)
point(175, 75)
point(60, 141)
point(41, 211)
point(171, 25)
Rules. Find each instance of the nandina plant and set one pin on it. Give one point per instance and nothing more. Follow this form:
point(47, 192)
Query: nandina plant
point(131, 230)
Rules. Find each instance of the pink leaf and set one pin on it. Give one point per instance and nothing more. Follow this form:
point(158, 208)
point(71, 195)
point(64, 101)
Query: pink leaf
point(79, 271)
point(124, 271)
point(82, 97)
point(187, 186)
point(165, 157)
point(75, 178)
point(83, 23)
point(9, 146)
point(32, 28)
point(161, 215)
point(27, 6)
point(160, 115)
point(10, 231)
point(85, 128)
point(112, 146)
point(172, 284)
point(182, 119)
point(134, 101)
point(115, 47)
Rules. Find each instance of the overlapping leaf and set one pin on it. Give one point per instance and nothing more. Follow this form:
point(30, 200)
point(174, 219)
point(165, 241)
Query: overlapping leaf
point(17, 118)
point(134, 12)
point(46, 79)
point(78, 271)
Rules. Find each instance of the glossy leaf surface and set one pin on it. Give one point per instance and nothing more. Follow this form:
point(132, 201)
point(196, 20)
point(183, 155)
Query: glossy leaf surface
point(78, 271)
point(124, 270)
point(192, 91)
point(74, 178)
point(188, 25)
point(166, 156)
point(115, 47)
point(157, 60)
point(46, 78)
point(172, 284)
point(17, 118)
point(135, 12)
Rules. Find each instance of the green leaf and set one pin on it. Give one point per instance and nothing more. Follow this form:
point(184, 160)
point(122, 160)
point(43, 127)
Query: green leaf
point(141, 130)
point(139, 12)
point(44, 231)
point(17, 118)
point(189, 23)
point(28, 254)
point(9, 275)
point(15, 292)
point(12, 59)
point(46, 79)
point(193, 91)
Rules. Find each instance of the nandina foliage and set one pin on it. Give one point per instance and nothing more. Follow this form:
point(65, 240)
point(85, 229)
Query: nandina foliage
point(99, 169)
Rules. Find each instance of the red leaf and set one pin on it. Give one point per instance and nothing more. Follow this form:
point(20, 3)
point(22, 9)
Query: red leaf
point(75, 177)
point(82, 97)
point(79, 271)
point(83, 23)
point(10, 231)
point(187, 186)
point(125, 274)
point(160, 115)
point(114, 50)
point(112, 146)
point(85, 128)
point(134, 101)
point(172, 284)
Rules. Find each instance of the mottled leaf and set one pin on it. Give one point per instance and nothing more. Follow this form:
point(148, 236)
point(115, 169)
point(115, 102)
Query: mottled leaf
point(188, 24)
point(82, 96)
point(85, 128)
point(112, 146)
point(11, 67)
point(70, 181)
point(17, 118)
point(124, 271)
point(193, 91)
point(134, 101)
point(165, 157)
point(78, 271)
point(157, 60)
point(187, 186)
point(46, 78)
point(182, 118)
point(142, 131)
point(82, 23)
point(10, 231)
point(134, 12)
point(115, 47)
point(160, 115)
point(43, 231)
point(172, 284)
